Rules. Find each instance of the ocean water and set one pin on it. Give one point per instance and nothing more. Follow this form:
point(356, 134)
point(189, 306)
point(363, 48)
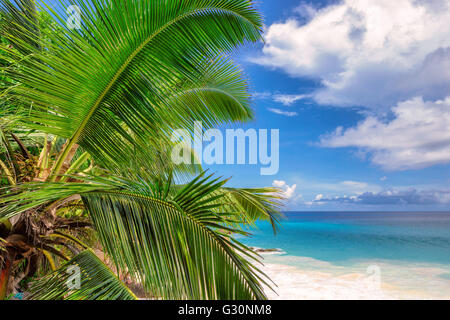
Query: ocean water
point(339, 237)
point(411, 250)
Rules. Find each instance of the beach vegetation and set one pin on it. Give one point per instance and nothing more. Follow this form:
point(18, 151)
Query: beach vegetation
point(91, 205)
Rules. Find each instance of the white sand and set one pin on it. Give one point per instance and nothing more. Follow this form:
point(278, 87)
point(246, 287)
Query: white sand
point(370, 280)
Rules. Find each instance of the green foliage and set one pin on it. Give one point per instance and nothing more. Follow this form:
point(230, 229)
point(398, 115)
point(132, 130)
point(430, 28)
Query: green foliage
point(176, 245)
point(123, 81)
point(177, 240)
point(109, 95)
point(97, 282)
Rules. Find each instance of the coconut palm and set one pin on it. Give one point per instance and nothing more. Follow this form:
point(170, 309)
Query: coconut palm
point(87, 115)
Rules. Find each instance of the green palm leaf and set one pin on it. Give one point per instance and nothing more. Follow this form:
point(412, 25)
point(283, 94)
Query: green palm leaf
point(117, 87)
point(20, 198)
point(251, 205)
point(97, 282)
point(176, 240)
point(19, 19)
point(117, 81)
point(177, 247)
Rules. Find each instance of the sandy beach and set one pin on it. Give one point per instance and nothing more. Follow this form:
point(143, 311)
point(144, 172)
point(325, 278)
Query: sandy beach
point(369, 280)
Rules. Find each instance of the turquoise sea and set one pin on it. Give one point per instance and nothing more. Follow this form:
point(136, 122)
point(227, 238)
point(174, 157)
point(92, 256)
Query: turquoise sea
point(411, 248)
point(339, 237)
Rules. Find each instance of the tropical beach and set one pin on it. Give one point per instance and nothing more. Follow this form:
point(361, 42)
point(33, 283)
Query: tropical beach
point(321, 281)
point(224, 150)
point(373, 256)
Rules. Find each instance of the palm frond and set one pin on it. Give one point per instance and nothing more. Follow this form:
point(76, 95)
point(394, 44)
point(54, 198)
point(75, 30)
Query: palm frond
point(26, 196)
point(176, 240)
point(97, 282)
point(177, 247)
point(116, 82)
point(251, 205)
point(20, 20)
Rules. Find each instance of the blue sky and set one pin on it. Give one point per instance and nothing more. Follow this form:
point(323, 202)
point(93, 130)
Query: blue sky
point(360, 90)
point(377, 70)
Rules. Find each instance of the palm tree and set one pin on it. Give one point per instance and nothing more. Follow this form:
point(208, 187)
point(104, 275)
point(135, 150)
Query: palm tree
point(86, 121)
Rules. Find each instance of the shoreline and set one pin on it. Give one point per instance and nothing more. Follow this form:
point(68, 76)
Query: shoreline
point(295, 284)
point(303, 278)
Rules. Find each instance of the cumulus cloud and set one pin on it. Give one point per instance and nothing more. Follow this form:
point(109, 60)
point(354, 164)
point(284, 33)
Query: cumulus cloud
point(366, 53)
point(416, 137)
point(288, 191)
point(282, 112)
point(406, 197)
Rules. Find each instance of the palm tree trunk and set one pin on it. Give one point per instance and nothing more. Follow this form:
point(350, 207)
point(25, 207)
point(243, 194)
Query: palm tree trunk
point(5, 274)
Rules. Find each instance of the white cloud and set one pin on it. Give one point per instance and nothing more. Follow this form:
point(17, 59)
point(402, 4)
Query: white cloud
point(279, 183)
point(306, 10)
point(341, 187)
point(282, 112)
point(417, 137)
point(318, 197)
point(283, 98)
point(365, 52)
point(288, 191)
point(262, 95)
point(315, 191)
point(355, 186)
point(288, 99)
point(394, 197)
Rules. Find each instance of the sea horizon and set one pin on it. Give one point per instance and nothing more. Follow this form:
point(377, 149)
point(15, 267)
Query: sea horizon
point(333, 255)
